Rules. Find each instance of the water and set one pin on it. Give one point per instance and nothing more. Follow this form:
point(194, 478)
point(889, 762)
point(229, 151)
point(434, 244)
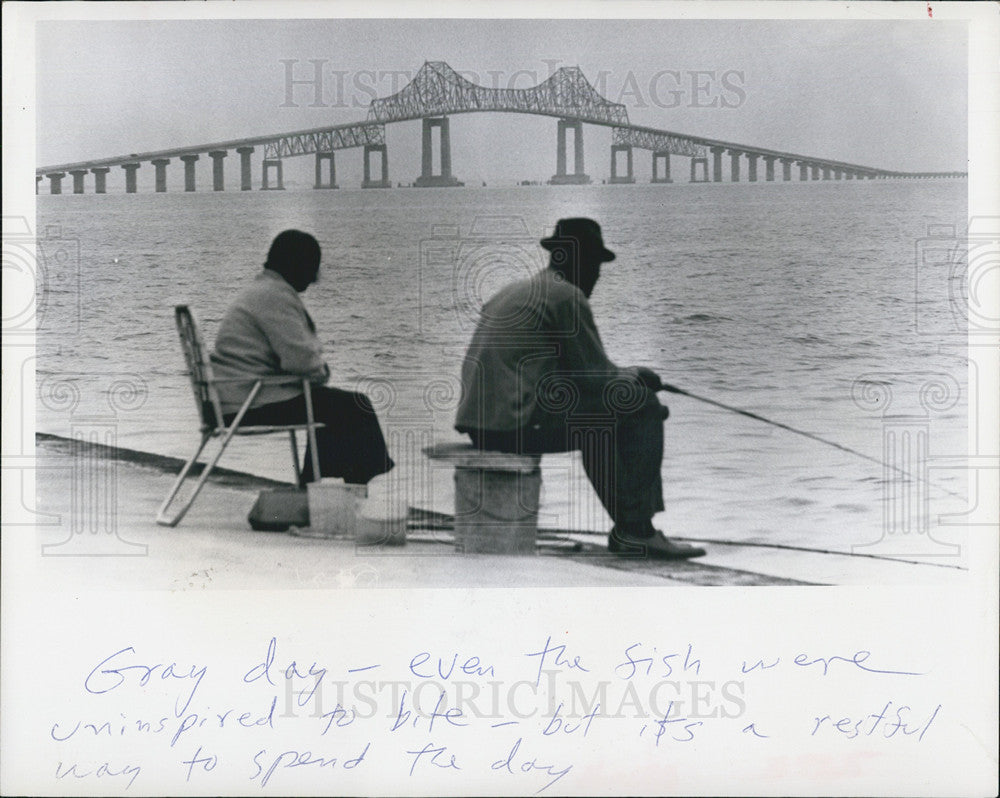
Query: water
point(771, 297)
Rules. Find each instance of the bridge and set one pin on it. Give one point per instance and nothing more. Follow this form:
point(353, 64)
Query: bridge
point(435, 94)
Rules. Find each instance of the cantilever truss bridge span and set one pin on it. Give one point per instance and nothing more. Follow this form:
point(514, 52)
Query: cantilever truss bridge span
point(437, 92)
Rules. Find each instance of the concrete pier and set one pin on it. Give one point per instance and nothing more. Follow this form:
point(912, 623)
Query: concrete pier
point(561, 177)
point(38, 180)
point(837, 174)
point(265, 184)
point(218, 175)
point(752, 166)
point(826, 172)
point(130, 170)
point(55, 182)
point(803, 171)
point(665, 158)
point(695, 163)
point(814, 171)
point(246, 177)
point(383, 182)
point(849, 176)
point(734, 164)
point(189, 161)
point(786, 169)
point(427, 177)
point(629, 177)
point(100, 179)
point(331, 181)
point(78, 175)
point(161, 173)
point(769, 168)
point(717, 164)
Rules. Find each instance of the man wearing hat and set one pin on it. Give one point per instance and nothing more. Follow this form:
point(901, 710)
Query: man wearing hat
point(536, 379)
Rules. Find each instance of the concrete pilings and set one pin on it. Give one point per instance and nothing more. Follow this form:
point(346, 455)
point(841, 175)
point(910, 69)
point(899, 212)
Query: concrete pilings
point(55, 182)
point(100, 179)
point(130, 170)
point(189, 161)
point(734, 165)
point(427, 177)
point(629, 176)
point(717, 164)
point(161, 174)
point(265, 180)
point(245, 173)
point(579, 176)
point(663, 157)
point(218, 175)
point(695, 164)
point(78, 175)
point(383, 182)
point(331, 181)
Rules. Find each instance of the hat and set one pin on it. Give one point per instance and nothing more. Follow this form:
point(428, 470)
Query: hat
point(580, 232)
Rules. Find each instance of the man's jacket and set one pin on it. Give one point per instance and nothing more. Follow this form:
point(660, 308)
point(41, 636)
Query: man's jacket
point(536, 354)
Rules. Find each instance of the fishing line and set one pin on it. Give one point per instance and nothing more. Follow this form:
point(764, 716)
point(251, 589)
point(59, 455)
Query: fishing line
point(761, 545)
point(673, 389)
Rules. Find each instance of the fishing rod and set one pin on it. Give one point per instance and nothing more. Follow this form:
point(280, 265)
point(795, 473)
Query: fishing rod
point(674, 389)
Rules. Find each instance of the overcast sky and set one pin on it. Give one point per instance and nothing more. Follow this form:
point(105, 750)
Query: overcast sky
point(890, 94)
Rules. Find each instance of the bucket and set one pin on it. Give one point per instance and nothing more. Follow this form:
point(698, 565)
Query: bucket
point(333, 507)
point(496, 512)
point(382, 521)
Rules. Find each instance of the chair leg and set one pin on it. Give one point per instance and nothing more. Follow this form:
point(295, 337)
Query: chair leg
point(311, 430)
point(295, 458)
point(161, 516)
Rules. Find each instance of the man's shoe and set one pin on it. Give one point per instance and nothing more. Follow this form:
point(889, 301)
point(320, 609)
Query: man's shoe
point(657, 547)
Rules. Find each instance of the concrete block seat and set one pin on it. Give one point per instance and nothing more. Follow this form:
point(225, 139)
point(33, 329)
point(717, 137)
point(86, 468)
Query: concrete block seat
point(496, 498)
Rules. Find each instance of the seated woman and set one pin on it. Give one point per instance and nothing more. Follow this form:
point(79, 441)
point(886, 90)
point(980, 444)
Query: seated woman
point(267, 331)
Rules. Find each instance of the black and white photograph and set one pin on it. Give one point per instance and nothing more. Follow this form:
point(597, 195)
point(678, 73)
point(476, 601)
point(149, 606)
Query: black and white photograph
point(500, 400)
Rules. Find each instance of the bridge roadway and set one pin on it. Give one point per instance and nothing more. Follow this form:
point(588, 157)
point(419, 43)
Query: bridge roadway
point(437, 92)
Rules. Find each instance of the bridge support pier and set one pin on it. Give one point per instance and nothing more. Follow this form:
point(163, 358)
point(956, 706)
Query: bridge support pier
point(161, 174)
point(752, 167)
point(579, 177)
point(218, 176)
point(246, 183)
point(78, 175)
point(130, 170)
point(786, 169)
point(100, 179)
point(695, 163)
point(717, 164)
point(331, 182)
point(734, 165)
point(55, 182)
point(629, 176)
point(38, 180)
point(427, 177)
point(189, 171)
point(803, 171)
point(769, 168)
point(665, 157)
point(837, 174)
point(815, 171)
point(826, 172)
point(265, 179)
point(848, 175)
point(383, 181)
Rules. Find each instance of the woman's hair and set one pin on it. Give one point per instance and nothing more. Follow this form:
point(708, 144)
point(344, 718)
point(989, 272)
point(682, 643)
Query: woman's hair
point(295, 256)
